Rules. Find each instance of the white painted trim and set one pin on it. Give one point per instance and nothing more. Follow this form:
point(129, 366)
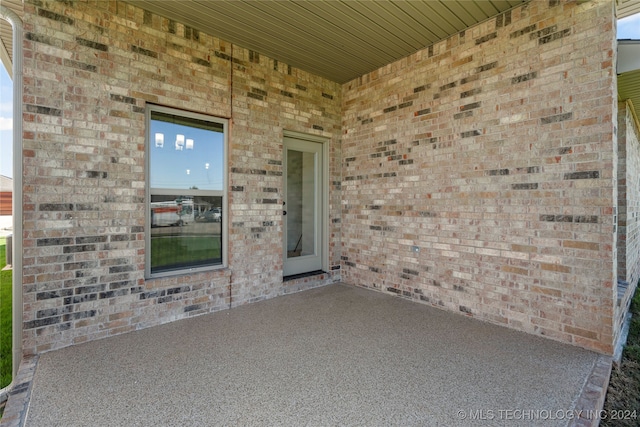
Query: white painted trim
point(16, 24)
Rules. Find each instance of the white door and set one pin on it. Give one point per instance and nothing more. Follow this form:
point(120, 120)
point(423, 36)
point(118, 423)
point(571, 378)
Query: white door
point(302, 208)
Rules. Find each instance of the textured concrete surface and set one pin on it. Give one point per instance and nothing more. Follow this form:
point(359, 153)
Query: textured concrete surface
point(336, 355)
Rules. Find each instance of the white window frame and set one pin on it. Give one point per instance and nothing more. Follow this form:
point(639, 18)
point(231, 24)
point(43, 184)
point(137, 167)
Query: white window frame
point(149, 191)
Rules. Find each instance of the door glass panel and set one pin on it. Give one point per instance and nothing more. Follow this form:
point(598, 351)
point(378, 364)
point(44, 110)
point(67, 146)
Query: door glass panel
point(301, 204)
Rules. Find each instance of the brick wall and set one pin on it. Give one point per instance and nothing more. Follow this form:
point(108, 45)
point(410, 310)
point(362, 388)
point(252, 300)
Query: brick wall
point(90, 67)
point(628, 210)
point(479, 173)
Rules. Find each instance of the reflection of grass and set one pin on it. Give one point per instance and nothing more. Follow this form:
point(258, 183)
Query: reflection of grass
point(168, 252)
point(5, 318)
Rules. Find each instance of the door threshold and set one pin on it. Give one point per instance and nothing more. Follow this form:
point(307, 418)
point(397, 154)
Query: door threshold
point(303, 275)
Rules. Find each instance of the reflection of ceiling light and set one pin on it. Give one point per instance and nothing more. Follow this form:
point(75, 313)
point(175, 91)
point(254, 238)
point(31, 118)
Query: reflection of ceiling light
point(206, 165)
point(179, 142)
point(189, 144)
point(159, 140)
point(188, 171)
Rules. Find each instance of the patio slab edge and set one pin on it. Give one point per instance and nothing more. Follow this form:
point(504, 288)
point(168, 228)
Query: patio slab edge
point(590, 403)
point(17, 406)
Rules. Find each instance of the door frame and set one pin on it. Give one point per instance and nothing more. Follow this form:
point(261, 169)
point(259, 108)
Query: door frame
point(323, 187)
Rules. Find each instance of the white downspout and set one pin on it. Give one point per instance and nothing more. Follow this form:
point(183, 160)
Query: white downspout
point(16, 23)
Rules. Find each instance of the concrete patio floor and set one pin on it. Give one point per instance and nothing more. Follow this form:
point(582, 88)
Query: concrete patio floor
point(330, 356)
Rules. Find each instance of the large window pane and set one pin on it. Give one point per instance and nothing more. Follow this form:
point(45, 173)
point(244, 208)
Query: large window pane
point(186, 184)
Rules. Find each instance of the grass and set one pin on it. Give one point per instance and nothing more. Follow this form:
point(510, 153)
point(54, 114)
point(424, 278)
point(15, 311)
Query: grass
point(623, 394)
point(5, 318)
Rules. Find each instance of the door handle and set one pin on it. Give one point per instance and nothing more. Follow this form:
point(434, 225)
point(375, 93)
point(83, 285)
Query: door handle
point(284, 212)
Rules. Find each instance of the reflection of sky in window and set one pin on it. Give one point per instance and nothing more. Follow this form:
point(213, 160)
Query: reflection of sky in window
point(200, 166)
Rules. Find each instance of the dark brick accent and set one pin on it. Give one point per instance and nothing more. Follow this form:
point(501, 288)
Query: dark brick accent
point(523, 31)
point(394, 290)
point(90, 289)
point(422, 112)
point(53, 294)
point(427, 214)
point(300, 87)
point(56, 17)
point(249, 171)
point(200, 61)
point(326, 95)
point(255, 96)
point(493, 172)
point(410, 271)
point(79, 315)
point(41, 322)
point(470, 134)
point(267, 201)
point(142, 51)
point(470, 106)
point(390, 109)
point(317, 127)
point(590, 219)
point(556, 118)
point(287, 94)
point(405, 104)
point(121, 269)
point(487, 67)
point(554, 36)
point(37, 109)
point(55, 207)
point(122, 98)
point(525, 186)
point(582, 175)
point(56, 241)
point(80, 65)
point(222, 55)
point(421, 88)
point(543, 32)
point(95, 174)
point(448, 86)
point(91, 239)
point(469, 93)
point(524, 77)
point(111, 294)
point(39, 38)
point(464, 309)
point(469, 79)
point(78, 249)
point(486, 38)
point(366, 121)
point(81, 265)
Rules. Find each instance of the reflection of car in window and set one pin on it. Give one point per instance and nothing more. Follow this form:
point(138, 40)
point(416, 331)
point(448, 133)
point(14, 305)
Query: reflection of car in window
point(213, 214)
point(174, 212)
